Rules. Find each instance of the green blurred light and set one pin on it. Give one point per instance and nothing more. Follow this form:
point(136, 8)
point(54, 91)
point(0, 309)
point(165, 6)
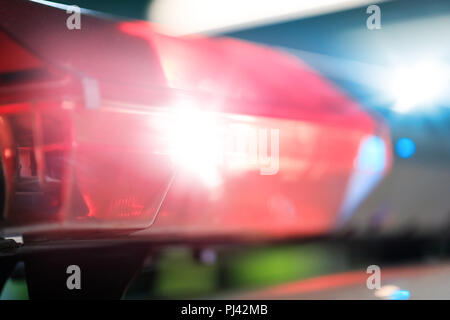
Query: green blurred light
point(15, 290)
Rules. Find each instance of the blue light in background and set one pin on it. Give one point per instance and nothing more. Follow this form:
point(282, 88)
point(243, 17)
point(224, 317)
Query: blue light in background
point(405, 148)
point(400, 295)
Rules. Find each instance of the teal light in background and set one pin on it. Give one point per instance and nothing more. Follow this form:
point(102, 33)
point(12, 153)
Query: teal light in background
point(369, 165)
point(372, 155)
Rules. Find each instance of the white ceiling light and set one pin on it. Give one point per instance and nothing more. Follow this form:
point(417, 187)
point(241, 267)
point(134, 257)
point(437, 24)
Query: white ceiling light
point(208, 16)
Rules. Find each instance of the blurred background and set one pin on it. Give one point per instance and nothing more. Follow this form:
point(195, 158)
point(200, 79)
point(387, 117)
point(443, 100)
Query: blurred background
point(399, 72)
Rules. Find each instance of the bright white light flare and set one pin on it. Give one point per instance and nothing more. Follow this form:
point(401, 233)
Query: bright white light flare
point(195, 141)
point(418, 86)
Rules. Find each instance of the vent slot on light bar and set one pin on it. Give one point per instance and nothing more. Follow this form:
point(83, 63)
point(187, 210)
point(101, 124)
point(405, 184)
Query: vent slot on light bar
point(34, 135)
point(68, 166)
point(40, 142)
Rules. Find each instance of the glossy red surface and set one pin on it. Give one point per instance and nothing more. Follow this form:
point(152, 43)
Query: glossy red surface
point(86, 143)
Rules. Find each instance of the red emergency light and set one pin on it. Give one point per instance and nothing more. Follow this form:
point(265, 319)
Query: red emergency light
point(117, 127)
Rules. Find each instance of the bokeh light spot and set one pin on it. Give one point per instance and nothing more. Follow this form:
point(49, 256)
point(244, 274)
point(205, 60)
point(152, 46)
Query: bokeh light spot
point(405, 148)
